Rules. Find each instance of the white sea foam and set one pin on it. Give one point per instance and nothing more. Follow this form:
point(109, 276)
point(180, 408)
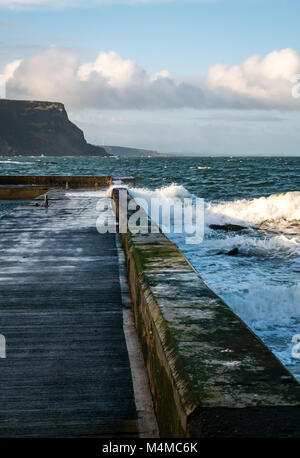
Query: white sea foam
point(14, 162)
point(173, 216)
point(262, 305)
point(256, 246)
point(167, 192)
point(277, 210)
point(284, 209)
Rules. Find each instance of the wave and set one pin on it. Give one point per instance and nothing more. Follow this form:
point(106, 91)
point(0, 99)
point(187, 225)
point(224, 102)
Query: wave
point(172, 191)
point(14, 162)
point(277, 211)
point(254, 212)
point(200, 167)
point(283, 209)
point(249, 245)
point(262, 306)
point(168, 198)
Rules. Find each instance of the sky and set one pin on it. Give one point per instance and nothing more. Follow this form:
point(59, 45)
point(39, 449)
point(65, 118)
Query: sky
point(194, 77)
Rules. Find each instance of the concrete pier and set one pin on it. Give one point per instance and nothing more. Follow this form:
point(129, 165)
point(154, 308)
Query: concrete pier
point(67, 371)
point(78, 335)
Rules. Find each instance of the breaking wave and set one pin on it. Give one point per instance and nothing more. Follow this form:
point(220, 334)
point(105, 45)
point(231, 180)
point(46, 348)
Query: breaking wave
point(248, 245)
point(279, 212)
point(261, 305)
point(167, 192)
point(276, 211)
point(14, 162)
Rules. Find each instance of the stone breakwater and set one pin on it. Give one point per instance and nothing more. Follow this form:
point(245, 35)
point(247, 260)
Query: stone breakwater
point(210, 375)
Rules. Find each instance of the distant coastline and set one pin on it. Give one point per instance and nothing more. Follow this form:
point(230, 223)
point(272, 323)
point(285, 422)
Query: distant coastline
point(123, 151)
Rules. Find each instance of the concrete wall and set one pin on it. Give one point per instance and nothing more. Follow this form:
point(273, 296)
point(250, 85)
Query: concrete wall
point(30, 187)
point(210, 375)
point(59, 181)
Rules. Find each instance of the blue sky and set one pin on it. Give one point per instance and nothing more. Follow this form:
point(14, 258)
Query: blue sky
point(184, 38)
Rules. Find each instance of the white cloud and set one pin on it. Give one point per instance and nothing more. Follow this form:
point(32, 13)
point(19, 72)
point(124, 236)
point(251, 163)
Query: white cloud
point(108, 82)
point(111, 82)
point(116, 71)
point(11, 68)
point(258, 82)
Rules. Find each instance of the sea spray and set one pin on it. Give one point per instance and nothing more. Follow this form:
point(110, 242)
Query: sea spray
point(262, 306)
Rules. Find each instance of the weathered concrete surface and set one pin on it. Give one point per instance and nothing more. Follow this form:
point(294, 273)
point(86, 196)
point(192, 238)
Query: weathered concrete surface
point(67, 370)
point(210, 375)
point(147, 422)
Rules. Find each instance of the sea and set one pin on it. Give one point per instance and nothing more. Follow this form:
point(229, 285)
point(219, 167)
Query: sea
point(261, 283)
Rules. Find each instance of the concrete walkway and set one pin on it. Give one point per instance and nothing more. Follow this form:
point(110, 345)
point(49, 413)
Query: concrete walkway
point(67, 369)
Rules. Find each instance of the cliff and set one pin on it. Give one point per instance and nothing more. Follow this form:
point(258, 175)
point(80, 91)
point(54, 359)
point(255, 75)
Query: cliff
point(35, 128)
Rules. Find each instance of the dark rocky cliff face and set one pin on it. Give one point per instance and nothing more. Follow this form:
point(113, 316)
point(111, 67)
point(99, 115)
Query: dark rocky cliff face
point(35, 128)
